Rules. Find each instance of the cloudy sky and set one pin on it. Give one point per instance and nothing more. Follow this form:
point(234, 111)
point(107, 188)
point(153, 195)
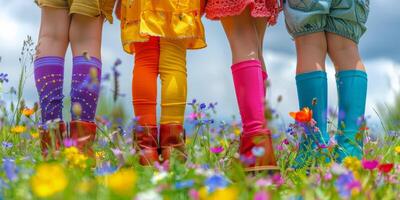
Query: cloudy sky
point(209, 69)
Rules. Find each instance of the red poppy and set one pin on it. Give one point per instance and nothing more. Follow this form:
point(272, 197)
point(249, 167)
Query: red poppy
point(304, 115)
point(385, 168)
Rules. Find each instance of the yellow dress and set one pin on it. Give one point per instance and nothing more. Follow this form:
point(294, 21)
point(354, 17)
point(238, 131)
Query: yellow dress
point(172, 19)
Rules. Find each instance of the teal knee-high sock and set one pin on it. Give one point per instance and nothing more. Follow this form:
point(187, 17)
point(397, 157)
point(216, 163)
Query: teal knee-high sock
point(352, 91)
point(313, 86)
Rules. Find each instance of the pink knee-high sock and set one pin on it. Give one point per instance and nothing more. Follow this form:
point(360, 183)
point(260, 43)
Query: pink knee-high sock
point(249, 86)
point(265, 77)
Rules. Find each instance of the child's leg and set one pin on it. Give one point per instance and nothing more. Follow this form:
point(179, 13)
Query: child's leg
point(85, 37)
point(144, 82)
point(173, 96)
point(312, 89)
point(49, 62)
point(261, 26)
point(249, 86)
point(352, 91)
point(243, 39)
point(173, 81)
point(144, 94)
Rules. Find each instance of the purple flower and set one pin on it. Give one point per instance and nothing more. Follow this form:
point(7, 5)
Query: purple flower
point(10, 169)
point(184, 184)
point(217, 150)
point(163, 166)
point(6, 144)
point(3, 78)
point(193, 102)
point(345, 183)
point(202, 106)
point(69, 142)
point(215, 182)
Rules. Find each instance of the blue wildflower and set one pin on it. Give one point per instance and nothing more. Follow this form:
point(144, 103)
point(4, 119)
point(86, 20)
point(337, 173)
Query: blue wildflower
point(184, 184)
point(216, 181)
point(10, 169)
point(6, 144)
point(345, 183)
point(202, 106)
point(3, 78)
point(193, 102)
point(104, 169)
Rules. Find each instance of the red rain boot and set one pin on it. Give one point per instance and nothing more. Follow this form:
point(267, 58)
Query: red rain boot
point(146, 141)
point(54, 133)
point(172, 137)
point(257, 153)
point(84, 134)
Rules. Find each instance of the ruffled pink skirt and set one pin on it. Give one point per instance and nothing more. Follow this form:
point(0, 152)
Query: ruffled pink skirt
point(270, 9)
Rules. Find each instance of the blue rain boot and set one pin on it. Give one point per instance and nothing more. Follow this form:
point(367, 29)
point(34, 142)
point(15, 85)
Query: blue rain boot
point(352, 91)
point(312, 91)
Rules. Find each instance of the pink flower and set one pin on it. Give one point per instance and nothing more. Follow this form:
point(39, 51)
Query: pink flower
point(327, 176)
point(369, 164)
point(263, 182)
point(285, 141)
point(194, 194)
point(217, 150)
point(261, 195)
point(279, 147)
point(277, 179)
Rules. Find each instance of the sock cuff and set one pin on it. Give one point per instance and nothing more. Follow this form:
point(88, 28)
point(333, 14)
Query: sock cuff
point(351, 73)
point(311, 75)
point(77, 60)
point(245, 64)
point(49, 60)
point(264, 75)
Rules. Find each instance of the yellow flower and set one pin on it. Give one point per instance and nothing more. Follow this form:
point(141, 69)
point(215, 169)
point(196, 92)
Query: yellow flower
point(100, 155)
point(28, 112)
point(75, 158)
point(397, 149)
point(122, 182)
point(34, 134)
point(48, 180)
point(203, 193)
point(237, 131)
point(352, 163)
point(18, 129)
point(229, 193)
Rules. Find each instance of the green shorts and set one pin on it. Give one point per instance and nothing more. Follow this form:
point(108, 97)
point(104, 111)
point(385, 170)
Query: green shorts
point(346, 18)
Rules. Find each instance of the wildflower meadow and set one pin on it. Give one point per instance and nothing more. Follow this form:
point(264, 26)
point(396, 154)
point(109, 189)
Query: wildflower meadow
point(212, 168)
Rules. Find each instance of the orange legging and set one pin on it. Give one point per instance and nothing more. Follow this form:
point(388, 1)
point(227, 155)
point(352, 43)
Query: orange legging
point(167, 58)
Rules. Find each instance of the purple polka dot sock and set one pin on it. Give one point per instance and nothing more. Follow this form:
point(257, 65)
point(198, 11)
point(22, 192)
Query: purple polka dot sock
point(49, 77)
point(85, 88)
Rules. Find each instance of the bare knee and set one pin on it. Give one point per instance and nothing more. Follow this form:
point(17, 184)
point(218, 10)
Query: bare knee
point(311, 52)
point(53, 36)
point(244, 45)
point(344, 53)
point(85, 35)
